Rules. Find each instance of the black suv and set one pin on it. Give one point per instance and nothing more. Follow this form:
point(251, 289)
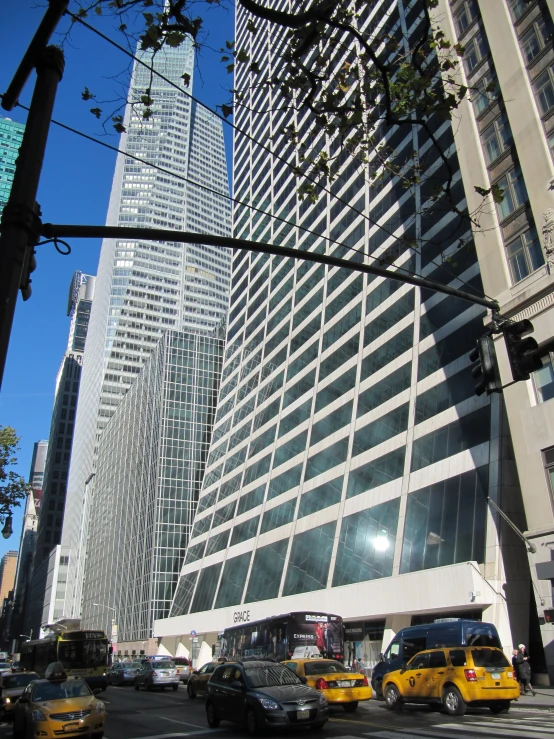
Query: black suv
point(262, 694)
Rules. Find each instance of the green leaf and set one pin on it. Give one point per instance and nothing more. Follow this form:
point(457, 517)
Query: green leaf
point(147, 113)
point(230, 68)
point(243, 56)
point(186, 79)
point(98, 10)
point(96, 111)
point(87, 94)
point(462, 91)
point(497, 193)
point(230, 45)
point(482, 191)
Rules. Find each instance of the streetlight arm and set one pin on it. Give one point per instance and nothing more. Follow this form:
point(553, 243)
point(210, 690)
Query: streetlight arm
point(530, 546)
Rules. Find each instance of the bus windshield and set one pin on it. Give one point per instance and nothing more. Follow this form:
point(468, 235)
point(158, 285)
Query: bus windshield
point(81, 654)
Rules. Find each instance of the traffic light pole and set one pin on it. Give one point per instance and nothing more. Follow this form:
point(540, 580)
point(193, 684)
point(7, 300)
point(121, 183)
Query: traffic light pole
point(20, 230)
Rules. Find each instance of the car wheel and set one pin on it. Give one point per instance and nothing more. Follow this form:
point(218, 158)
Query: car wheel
point(350, 707)
point(137, 686)
point(500, 707)
point(174, 687)
point(251, 723)
point(393, 699)
point(379, 689)
point(454, 704)
point(190, 691)
point(211, 716)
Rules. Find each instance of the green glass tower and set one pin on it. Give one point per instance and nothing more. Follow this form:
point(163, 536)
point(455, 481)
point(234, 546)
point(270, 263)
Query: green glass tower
point(11, 136)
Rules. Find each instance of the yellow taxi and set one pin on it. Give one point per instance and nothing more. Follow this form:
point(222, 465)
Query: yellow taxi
point(58, 706)
point(453, 679)
point(333, 679)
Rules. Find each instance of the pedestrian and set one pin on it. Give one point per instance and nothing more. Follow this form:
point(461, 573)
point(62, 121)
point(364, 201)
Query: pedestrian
point(521, 659)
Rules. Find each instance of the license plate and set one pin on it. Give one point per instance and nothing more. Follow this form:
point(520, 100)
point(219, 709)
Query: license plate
point(71, 727)
point(343, 683)
point(303, 714)
point(495, 675)
point(164, 673)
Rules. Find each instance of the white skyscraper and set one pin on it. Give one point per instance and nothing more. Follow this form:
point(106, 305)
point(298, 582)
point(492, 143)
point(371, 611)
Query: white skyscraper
point(144, 288)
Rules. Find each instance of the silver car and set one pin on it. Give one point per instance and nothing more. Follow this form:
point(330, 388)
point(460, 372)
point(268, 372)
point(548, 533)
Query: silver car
point(157, 674)
point(123, 672)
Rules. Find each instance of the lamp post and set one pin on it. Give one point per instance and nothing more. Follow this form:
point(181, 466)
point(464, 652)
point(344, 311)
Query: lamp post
point(7, 531)
point(113, 635)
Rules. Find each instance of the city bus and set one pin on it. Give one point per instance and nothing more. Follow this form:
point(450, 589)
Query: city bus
point(299, 634)
point(82, 653)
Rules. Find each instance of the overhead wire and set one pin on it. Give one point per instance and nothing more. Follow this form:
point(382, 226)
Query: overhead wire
point(264, 147)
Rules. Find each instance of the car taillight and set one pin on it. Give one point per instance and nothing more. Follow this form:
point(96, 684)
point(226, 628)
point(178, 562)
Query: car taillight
point(471, 677)
point(321, 684)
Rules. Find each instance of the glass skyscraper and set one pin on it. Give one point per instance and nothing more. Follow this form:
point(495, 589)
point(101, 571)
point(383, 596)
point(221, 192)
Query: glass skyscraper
point(351, 460)
point(11, 136)
point(149, 473)
point(144, 288)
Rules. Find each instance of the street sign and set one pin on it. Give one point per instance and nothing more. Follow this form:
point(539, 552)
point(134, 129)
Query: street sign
point(193, 633)
point(195, 640)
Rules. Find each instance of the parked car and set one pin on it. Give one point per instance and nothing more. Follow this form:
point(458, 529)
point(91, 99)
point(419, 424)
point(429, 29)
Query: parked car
point(263, 694)
point(5, 668)
point(454, 678)
point(123, 673)
point(339, 685)
point(156, 674)
point(198, 681)
point(13, 688)
point(61, 705)
point(183, 668)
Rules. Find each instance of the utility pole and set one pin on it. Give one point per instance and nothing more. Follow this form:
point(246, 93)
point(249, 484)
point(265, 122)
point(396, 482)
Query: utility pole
point(20, 226)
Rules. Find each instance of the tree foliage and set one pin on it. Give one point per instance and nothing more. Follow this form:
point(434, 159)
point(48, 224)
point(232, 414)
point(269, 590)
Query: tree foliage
point(13, 487)
point(360, 79)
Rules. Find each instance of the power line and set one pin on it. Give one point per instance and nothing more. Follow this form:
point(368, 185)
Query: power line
point(270, 151)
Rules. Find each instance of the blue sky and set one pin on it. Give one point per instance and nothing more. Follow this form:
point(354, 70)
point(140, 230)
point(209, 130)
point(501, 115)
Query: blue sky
point(75, 188)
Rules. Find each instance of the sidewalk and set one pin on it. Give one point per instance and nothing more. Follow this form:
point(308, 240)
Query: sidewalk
point(544, 699)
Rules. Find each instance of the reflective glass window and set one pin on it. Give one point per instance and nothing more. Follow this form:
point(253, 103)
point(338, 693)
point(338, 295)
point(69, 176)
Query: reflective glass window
point(383, 428)
point(335, 389)
point(218, 542)
point(366, 545)
point(257, 470)
point(267, 569)
point(201, 525)
point(251, 499)
point(290, 449)
point(309, 560)
point(525, 254)
point(544, 90)
point(465, 433)
point(387, 352)
point(321, 497)
point(195, 552)
point(230, 486)
point(327, 459)
point(513, 187)
point(183, 594)
point(339, 357)
point(447, 309)
point(451, 391)
point(332, 422)
point(389, 317)
point(245, 530)
point(205, 590)
point(452, 347)
point(446, 522)
point(262, 441)
point(285, 481)
point(222, 515)
point(278, 516)
point(295, 418)
point(385, 389)
point(377, 472)
point(348, 293)
point(301, 362)
point(342, 326)
point(232, 581)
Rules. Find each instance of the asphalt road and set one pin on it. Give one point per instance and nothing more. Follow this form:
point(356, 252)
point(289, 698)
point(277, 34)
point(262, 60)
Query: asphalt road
point(172, 715)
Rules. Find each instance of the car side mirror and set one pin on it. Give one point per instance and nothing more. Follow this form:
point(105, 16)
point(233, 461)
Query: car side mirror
point(302, 679)
point(24, 699)
point(97, 691)
point(195, 672)
point(382, 657)
point(236, 684)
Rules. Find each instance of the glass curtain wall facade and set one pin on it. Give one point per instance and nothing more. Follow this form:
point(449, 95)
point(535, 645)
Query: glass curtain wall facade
point(144, 288)
point(349, 464)
point(68, 381)
point(149, 472)
point(11, 136)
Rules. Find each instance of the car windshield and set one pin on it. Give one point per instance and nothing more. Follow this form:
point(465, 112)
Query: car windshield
point(164, 665)
point(19, 681)
point(5, 666)
point(268, 675)
point(323, 668)
point(489, 658)
point(55, 691)
point(134, 666)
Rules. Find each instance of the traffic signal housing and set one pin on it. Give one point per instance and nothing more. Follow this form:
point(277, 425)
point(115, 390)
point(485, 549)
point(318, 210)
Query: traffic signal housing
point(523, 353)
point(29, 266)
point(486, 370)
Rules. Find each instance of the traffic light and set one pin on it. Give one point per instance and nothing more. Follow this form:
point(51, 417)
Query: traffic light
point(522, 352)
point(486, 369)
point(29, 265)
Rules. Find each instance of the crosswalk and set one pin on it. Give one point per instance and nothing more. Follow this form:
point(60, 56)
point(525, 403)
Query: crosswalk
point(537, 726)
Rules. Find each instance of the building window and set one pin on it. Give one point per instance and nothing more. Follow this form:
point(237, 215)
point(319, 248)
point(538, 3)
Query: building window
point(548, 456)
point(535, 39)
point(486, 92)
point(476, 50)
point(543, 380)
point(465, 17)
point(515, 193)
point(518, 8)
point(497, 138)
point(544, 90)
point(525, 255)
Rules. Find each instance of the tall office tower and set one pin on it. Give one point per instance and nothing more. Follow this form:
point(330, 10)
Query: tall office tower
point(11, 136)
point(149, 473)
point(506, 135)
point(40, 608)
point(28, 541)
point(351, 460)
point(8, 566)
point(144, 288)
